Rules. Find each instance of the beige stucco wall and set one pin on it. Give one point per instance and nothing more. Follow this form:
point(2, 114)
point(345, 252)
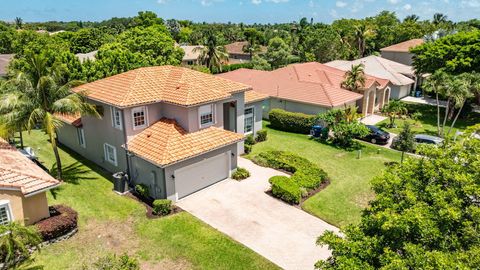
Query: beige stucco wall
point(27, 210)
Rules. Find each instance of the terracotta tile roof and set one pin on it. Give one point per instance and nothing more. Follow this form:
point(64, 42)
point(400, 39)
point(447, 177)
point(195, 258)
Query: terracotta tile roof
point(254, 96)
point(237, 48)
point(381, 68)
point(166, 142)
point(312, 83)
point(176, 85)
point(74, 120)
point(403, 46)
point(18, 172)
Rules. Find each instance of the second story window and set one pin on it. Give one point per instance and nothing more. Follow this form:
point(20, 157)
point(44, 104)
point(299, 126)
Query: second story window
point(139, 117)
point(116, 118)
point(206, 114)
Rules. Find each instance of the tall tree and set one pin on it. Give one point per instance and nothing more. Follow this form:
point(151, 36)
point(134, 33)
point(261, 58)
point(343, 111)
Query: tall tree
point(40, 96)
point(405, 141)
point(425, 215)
point(212, 54)
point(278, 53)
point(362, 34)
point(439, 18)
point(355, 78)
point(394, 109)
point(254, 38)
point(18, 22)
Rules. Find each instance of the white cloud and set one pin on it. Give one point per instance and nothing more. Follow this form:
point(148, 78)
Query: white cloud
point(471, 3)
point(340, 4)
point(162, 1)
point(394, 2)
point(277, 1)
point(256, 2)
point(333, 13)
point(407, 7)
point(311, 4)
point(207, 3)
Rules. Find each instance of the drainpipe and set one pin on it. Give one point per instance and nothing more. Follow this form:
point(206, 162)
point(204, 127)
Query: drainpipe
point(126, 146)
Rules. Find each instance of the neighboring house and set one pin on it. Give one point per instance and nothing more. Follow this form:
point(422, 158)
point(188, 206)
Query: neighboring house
point(236, 54)
point(192, 54)
point(4, 62)
point(401, 52)
point(173, 129)
point(311, 88)
point(23, 187)
point(402, 77)
point(86, 56)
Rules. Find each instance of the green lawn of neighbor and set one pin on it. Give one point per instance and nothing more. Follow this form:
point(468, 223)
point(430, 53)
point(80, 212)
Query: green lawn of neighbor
point(109, 223)
point(427, 124)
point(349, 191)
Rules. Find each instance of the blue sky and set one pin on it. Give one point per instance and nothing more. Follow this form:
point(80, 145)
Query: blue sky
point(248, 11)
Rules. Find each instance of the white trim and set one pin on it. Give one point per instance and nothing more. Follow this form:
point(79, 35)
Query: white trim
point(81, 137)
point(245, 118)
point(8, 208)
point(113, 110)
point(213, 112)
point(105, 153)
point(145, 114)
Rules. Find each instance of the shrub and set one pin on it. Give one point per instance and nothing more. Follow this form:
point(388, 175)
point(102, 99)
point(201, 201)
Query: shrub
point(112, 262)
point(306, 175)
point(240, 174)
point(247, 149)
point(261, 135)
point(162, 207)
point(142, 190)
point(249, 140)
point(62, 220)
point(285, 189)
point(291, 122)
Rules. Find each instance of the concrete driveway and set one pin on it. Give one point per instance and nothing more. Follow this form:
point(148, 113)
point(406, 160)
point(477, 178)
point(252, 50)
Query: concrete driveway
point(281, 233)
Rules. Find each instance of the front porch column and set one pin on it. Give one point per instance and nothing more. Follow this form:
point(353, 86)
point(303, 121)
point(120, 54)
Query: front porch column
point(381, 99)
point(371, 101)
point(366, 96)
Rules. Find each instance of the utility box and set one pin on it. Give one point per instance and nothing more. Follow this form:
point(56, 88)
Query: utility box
point(120, 182)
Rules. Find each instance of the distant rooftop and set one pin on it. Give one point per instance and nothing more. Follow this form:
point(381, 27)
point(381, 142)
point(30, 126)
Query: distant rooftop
point(84, 56)
point(4, 61)
point(191, 52)
point(403, 46)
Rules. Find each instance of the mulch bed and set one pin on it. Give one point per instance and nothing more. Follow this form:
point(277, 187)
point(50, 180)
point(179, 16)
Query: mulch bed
point(148, 206)
point(310, 194)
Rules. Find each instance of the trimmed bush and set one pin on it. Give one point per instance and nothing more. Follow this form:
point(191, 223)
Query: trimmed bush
point(112, 262)
point(62, 220)
point(142, 190)
point(286, 189)
point(306, 176)
point(291, 122)
point(240, 174)
point(162, 207)
point(247, 148)
point(250, 140)
point(261, 135)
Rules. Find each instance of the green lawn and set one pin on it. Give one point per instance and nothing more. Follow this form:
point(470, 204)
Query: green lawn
point(116, 224)
point(427, 124)
point(349, 192)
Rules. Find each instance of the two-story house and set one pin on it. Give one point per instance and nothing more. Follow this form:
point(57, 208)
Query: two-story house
point(173, 129)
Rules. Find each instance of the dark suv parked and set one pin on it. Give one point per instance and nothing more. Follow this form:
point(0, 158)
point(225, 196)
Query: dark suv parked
point(377, 135)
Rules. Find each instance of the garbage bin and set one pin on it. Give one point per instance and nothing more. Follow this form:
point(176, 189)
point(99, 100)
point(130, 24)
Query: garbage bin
point(119, 182)
point(316, 131)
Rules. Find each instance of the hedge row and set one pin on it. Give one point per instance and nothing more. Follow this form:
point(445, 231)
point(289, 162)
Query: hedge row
point(306, 176)
point(232, 67)
point(290, 121)
point(62, 220)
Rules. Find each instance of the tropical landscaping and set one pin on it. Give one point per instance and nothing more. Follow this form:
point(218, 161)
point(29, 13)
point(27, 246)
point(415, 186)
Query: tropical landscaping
point(111, 224)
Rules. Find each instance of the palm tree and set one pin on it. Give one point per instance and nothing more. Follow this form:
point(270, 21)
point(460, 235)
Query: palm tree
point(15, 241)
point(38, 97)
point(439, 18)
point(212, 54)
point(362, 33)
point(355, 78)
point(18, 22)
point(393, 109)
point(412, 18)
point(435, 83)
point(466, 86)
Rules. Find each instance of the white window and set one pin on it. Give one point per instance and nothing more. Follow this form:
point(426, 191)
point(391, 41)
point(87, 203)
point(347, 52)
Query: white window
point(206, 113)
point(249, 119)
point(139, 117)
point(5, 212)
point(110, 153)
point(81, 137)
point(116, 118)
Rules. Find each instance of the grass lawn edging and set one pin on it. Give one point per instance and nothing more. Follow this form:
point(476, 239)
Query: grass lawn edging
point(305, 180)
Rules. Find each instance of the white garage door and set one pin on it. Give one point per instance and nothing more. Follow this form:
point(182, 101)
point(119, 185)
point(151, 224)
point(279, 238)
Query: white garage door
point(201, 174)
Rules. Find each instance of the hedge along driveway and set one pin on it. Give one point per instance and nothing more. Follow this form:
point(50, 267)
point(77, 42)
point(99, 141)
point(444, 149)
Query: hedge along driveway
point(114, 224)
point(341, 202)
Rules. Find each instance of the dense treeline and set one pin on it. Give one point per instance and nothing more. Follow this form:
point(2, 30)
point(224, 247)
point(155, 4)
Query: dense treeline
point(127, 43)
